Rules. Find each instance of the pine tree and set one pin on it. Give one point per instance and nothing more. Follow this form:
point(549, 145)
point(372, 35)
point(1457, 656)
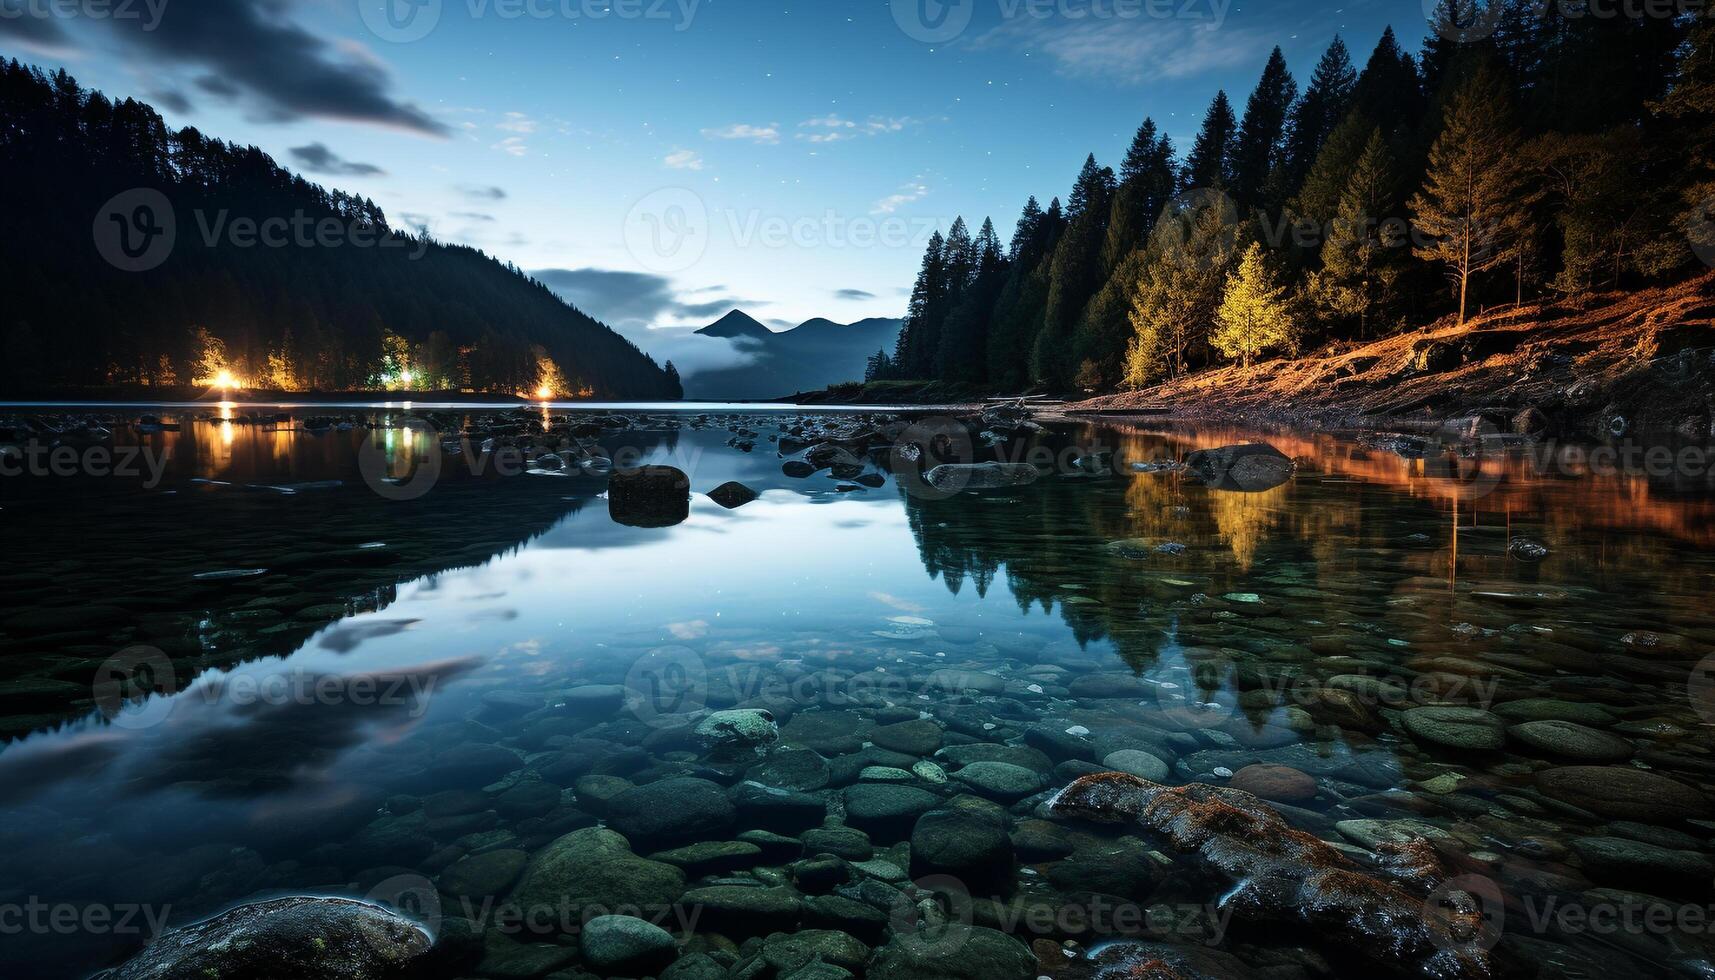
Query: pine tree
point(1148, 179)
point(1259, 148)
point(1325, 102)
point(1389, 91)
point(1319, 198)
point(1209, 164)
point(919, 339)
point(1175, 300)
point(1254, 315)
point(1074, 275)
point(1476, 198)
point(1363, 258)
point(673, 379)
point(1028, 225)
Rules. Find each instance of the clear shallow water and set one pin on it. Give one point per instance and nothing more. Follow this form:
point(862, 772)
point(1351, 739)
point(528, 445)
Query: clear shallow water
point(360, 715)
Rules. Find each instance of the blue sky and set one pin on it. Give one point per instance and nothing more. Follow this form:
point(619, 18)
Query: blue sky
point(662, 161)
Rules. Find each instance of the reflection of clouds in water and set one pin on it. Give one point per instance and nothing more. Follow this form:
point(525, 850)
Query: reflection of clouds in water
point(692, 630)
point(31, 768)
point(344, 639)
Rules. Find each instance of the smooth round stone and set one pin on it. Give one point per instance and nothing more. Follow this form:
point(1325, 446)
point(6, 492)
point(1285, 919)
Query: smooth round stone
point(798, 769)
point(886, 806)
point(884, 774)
point(683, 808)
point(985, 954)
point(1138, 763)
point(1371, 834)
point(1634, 864)
point(929, 772)
point(970, 846)
point(626, 943)
point(1549, 709)
point(484, 875)
point(844, 842)
point(790, 953)
point(827, 732)
point(920, 737)
point(593, 698)
point(1000, 780)
point(738, 727)
point(1623, 793)
point(594, 868)
point(1468, 729)
point(1572, 740)
point(711, 857)
point(1281, 784)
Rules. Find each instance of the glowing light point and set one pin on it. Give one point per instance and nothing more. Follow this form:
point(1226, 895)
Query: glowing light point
point(225, 381)
point(544, 393)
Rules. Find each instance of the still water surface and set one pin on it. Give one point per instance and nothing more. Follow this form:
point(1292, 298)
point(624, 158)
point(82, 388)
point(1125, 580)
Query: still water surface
point(395, 688)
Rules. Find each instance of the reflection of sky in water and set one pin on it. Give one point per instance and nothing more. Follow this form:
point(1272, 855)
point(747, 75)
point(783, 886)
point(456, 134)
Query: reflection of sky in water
point(1362, 544)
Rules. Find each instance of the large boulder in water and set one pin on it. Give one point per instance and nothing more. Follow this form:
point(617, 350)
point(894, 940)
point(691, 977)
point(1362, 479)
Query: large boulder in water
point(301, 938)
point(649, 496)
point(1250, 468)
point(953, 477)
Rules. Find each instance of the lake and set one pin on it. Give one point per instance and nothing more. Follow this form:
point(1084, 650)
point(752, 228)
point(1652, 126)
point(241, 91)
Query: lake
point(257, 651)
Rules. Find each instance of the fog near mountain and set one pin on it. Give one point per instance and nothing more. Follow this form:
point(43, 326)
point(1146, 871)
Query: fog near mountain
point(809, 357)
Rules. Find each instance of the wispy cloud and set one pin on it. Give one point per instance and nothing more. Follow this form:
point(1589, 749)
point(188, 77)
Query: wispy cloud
point(684, 160)
point(514, 145)
point(853, 294)
point(516, 122)
point(744, 131)
point(908, 194)
point(1129, 51)
point(834, 128)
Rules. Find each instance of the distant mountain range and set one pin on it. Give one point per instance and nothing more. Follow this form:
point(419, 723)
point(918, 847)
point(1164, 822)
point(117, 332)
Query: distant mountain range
point(809, 357)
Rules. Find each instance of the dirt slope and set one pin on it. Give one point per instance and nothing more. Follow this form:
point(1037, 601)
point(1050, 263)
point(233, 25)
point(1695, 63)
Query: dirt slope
point(1593, 365)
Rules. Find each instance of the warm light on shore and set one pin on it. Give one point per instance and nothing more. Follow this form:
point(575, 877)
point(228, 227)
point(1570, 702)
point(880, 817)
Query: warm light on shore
point(544, 393)
point(225, 381)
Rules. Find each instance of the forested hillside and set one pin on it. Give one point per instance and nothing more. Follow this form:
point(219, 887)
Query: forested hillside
point(1551, 156)
point(367, 307)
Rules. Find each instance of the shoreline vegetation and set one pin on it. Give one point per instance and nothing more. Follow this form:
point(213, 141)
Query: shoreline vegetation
point(1595, 365)
point(1477, 192)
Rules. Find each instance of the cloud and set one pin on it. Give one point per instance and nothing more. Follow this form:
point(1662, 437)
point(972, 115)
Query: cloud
point(514, 145)
point(684, 160)
point(215, 85)
point(18, 23)
point(292, 72)
point(853, 294)
point(472, 216)
point(482, 193)
point(910, 193)
point(516, 122)
point(1129, 50)
point(742, 131)
point(318, 159)
point(834, 128)
point(172, 99)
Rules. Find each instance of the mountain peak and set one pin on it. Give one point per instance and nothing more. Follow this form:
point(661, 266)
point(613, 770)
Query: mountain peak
point(736, 324)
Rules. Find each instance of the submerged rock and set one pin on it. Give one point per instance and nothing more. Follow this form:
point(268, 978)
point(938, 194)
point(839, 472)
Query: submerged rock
point(740, 727)
point(953, 477)
point(1626, 794)
point(1249, 468)
point(1470, 729)
point(301, 938)
point(622, 945)
point(1279, 872)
